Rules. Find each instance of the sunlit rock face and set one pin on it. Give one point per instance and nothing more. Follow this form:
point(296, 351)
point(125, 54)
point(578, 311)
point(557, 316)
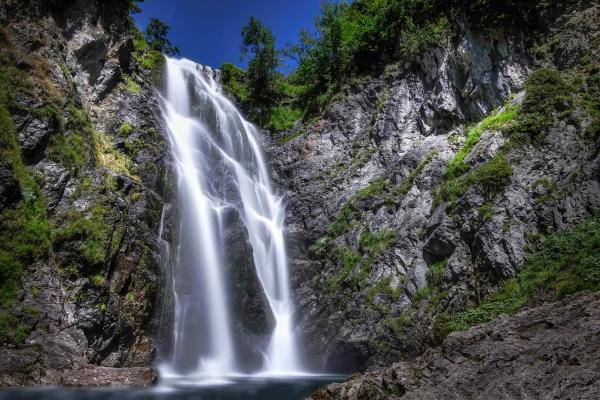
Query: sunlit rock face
point(373, 163)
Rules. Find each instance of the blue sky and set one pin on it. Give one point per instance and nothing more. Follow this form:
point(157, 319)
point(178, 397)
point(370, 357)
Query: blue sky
point(208, 31)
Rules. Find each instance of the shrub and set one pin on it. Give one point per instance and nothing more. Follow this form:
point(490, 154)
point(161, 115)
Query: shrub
point(375, 243)
point(282, 117)
point(71, 151)
point(347, 259)
point(547, 95)
point(125, 129)
point(97, 280)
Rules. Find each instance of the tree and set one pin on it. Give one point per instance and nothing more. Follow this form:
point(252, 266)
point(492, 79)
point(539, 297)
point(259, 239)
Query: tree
point(134, 7)
point(300, 51)
point(262, 68)
point(156, 36)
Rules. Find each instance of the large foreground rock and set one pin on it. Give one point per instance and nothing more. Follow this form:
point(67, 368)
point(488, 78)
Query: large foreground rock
point(548, 352)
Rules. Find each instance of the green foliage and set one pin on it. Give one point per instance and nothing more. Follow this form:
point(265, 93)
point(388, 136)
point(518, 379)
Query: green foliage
point(493, 175)
point(131, 85)
point(97, 280)
point(71, 151)
point(349, 211)
point(375, 243)
point(430, 34)
point(565, 263)
point(281, 118)
point(547, 95)
point(156, 37)
point(146, 57)
point(95, 233)
point(496, 120)
point(384, 287)
point(507, 301)
point(24, 227)
point(234, 81)
point(347, 259)
point(261, 75)
point(125, 129)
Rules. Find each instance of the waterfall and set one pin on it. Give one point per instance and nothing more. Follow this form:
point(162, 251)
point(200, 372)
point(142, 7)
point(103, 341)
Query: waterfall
point(220, 169)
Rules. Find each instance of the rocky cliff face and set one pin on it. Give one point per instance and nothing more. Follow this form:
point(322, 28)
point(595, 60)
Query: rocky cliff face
point(407, 204)
point(82, 188)
point(547, 352)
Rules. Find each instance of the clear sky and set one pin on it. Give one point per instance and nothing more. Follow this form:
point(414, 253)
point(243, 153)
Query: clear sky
point(208, 31)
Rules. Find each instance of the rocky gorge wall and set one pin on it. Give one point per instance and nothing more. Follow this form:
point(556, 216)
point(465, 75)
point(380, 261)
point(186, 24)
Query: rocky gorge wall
point(412, 197)
point(82, 187)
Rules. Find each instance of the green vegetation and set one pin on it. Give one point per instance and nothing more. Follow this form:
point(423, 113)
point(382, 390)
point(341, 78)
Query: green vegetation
point(234, 81)
point(565, 263)
point(156, 37)
point(347, 259)
point(24, 227)
point(146, 57)
point(353, 39)
point(371, 246)
point(125, 129)
point(107, 155)
point(97, 280)
point(548, 95)
point(375, 243)
point(71, 151)
point(131, 85)
point(282, 117)
point(399, 191)
point(98, 234)
point(261, 75)
point(493, 175)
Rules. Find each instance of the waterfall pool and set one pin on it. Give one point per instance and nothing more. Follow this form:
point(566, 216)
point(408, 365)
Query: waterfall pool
point(244, 388)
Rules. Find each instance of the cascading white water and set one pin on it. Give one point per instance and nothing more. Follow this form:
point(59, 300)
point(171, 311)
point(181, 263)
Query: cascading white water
point(220, 167)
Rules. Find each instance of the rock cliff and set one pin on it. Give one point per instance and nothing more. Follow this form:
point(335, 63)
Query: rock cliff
point(419, 191)
point(82, 189)
point(546, 352)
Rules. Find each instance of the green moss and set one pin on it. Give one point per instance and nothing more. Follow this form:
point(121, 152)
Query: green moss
point(24, 227)
point(347, 259)
point(548, 96)
point(94, 232)
point(131, 85)
point(71, 151)
point(375, 243)
point(125, 129)
point(97, 280)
